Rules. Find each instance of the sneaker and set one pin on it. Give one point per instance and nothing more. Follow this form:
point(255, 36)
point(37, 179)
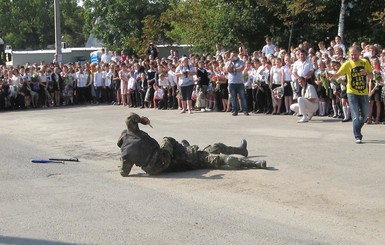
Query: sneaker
point(203, 109)
point(346, 120)
point(235, 114)
point(303, 120)
point(358, 141)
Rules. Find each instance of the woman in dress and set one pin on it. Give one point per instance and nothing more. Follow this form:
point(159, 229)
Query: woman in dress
point(277, 80)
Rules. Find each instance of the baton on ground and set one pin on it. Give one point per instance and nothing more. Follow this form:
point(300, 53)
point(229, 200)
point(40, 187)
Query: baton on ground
point(65, 159)
point(46, 161)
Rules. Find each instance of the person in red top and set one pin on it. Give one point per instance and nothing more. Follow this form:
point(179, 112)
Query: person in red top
point(123, 56)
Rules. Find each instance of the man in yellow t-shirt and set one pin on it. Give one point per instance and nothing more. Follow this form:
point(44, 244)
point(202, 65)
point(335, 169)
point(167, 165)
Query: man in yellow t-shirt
point(358, 71)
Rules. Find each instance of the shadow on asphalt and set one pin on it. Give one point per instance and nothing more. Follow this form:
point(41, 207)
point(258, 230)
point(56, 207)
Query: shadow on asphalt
point(192, 174)
point(30, 241)
point(379, 142)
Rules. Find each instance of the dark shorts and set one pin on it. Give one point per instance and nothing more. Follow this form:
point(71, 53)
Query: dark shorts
point(186, 92)
point(287, 89)
point(344, 95)
point(377, 95)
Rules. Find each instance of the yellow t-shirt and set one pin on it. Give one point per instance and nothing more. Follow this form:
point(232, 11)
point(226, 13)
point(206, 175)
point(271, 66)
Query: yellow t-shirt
point(356, 83)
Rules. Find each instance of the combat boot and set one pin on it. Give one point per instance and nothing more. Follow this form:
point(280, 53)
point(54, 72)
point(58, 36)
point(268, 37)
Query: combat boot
point(125, 168)
point(241, 150)
point(247, 163)
point(185, 143)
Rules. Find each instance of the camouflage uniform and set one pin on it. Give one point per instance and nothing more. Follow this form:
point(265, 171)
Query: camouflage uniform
point(138, 148)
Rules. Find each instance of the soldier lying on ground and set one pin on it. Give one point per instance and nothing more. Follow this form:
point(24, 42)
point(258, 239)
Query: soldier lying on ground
point(138, 148)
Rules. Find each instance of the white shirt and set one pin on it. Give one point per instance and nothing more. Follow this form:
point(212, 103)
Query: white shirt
point(108, 78)
point(310, 92)
point(249, 80)
point(131, 83)
point(287, 73)
point(98, 79)
point(276, 74)
point(165, 83)
point(268, 49)
point(106, 57)
point(81, 79)
point(116, 58)
point(263, 74)
point(159, 94)
point(302, 67)
point(171, 78)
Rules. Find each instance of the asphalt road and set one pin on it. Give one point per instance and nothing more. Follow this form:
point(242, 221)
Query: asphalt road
point(320, 187)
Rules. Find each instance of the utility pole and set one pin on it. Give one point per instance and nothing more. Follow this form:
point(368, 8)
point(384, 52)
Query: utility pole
point(341, 22)
point(57, 30)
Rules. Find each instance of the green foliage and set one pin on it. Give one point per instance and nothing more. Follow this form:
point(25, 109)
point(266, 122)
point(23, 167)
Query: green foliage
point(363, 21)
point(132, 24)
point(206, 22)
point(30, 23)
point(119, 23)
point(72, 18)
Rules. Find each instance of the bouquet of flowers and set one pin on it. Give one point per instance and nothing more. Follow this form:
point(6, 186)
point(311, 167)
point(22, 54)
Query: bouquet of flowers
point(35, 78)
point(214, 78)
point(322, 76)
point(245, 76)
point(67, 80)
point(218, 78)
point(377, 78)
point(278, 92)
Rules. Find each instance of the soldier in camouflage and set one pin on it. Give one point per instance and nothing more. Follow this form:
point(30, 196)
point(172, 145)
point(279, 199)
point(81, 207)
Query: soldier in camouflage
point(140, 149)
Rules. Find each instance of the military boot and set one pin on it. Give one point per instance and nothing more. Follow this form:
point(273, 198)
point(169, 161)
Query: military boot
point(125, 168)
point(185, 143)
point(247, 163)
point(241, 150)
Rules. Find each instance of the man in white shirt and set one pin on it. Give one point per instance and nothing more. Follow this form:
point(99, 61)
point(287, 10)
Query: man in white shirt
point(106, 56)
point(303, 67)
point(308, 103)
point(115, 57)
point(268, 48)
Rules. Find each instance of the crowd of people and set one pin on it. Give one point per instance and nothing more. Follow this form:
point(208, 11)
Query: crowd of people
point(264, 81)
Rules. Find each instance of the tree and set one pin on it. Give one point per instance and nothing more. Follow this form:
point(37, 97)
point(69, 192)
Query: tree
point(202, 23)
point(119, 23)
point(341, 22)
point(72, 23)
point(30, 23)
point(299, 20)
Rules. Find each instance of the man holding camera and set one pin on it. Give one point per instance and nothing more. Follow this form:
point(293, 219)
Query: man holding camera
point(234, 68)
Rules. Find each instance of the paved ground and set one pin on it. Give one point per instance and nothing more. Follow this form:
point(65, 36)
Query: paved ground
point(320, 187)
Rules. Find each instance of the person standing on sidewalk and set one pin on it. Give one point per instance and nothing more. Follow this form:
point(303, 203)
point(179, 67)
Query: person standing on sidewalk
point(358, 72)
point(234, 67)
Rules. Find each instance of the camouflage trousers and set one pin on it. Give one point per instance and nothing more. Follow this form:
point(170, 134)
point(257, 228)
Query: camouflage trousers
point(191, 157)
